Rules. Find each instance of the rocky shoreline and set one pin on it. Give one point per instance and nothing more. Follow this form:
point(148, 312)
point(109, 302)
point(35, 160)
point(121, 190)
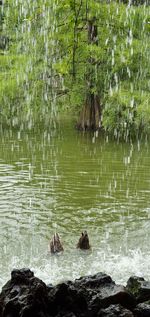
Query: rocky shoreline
point(25, 295)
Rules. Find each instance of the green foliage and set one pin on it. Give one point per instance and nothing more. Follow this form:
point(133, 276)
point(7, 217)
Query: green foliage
point(127, 113)
point(46, 61)
point(143, 114)
point(25, 66)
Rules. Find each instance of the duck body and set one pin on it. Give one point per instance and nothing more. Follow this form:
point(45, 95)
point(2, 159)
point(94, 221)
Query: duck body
point(55, 244)
point(83, 242)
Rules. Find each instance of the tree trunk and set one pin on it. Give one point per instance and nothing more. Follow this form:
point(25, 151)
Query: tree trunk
point(90, 116)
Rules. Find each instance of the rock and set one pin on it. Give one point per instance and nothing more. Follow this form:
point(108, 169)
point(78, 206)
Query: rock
point(93, 281)
point(90, 296)
point(100, 292)
point(24, 295)
point(65, 315)
point(67, 299)
point(139, 288)
point(87, 295)
point(115, 310)
point(142, 310)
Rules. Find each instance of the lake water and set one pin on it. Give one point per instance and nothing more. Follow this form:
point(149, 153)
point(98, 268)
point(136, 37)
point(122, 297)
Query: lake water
point(65, 181)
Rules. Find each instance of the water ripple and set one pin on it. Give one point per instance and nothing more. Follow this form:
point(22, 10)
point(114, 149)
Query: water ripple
point(67, 184)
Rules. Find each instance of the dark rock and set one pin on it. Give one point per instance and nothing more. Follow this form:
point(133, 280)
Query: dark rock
point(65, 315)
point(87, 295)
point(90, 296)
point(114, 311)
point(93, 281)
point(50, 286)
point(20, 275)
point(24, 295)
point(139, 288)
point(111, 295)
point(66, 298)
point(100, 292)
point(142, 310)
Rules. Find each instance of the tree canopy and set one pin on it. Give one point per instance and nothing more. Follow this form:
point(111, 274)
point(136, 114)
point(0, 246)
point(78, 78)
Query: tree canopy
point(54, 55)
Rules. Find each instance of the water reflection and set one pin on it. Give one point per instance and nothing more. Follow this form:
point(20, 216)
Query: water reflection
point(61, 180)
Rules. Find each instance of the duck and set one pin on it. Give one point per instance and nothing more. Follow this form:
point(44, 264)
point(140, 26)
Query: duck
point(55, 244)
point(83, 242)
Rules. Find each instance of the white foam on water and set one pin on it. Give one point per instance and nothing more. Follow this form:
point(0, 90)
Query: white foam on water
point(71, 265)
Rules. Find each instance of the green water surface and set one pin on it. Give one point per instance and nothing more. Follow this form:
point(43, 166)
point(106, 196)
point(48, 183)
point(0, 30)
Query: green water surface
point(66, 181)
